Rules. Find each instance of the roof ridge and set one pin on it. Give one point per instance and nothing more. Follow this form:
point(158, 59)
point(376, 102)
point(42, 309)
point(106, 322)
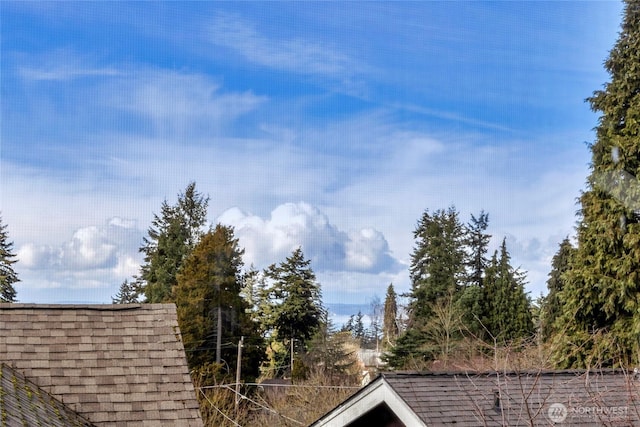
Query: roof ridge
point(96, 307)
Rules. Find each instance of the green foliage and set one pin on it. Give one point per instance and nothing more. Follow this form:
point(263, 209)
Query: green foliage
point(477, 241)
point(334, 354)
point(208, 292)
point(292, 300)
point(437, 261)
point(127, 293)
point(171, 237)
point(506, 311)
point(551, 306)
point(601, 288)
point(390, 329)
point(355, 326)
point(470, 302)
point(408, 350)
point(8, 276)
point(456, 292)
point(300, 370)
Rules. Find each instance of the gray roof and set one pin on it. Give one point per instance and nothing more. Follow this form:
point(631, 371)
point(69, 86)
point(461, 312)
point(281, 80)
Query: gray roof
point(24, 403)
point(580, 398)
point(118, 365)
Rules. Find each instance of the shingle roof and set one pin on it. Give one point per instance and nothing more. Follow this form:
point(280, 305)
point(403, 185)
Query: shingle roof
point(517, 398)
point(24, 403)
point(118, 365)
point(577, 398)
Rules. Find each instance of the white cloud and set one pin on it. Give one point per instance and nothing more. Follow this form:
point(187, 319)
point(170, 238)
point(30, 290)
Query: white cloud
point(63, 65)
point(305, 56)
point(179, 103)
point(367, 250)
point(293, 225)
point(66, 73)
point(89, 248)
point(94, 257)
point(35, 257)
point(298, 55)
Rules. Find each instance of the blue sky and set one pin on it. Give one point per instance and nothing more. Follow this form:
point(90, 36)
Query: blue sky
point(329, 125)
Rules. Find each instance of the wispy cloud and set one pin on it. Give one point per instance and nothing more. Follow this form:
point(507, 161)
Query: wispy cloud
point(62, 73)
point(450, 116)
point(62, 65)
point(179, 103)
point(295, 55)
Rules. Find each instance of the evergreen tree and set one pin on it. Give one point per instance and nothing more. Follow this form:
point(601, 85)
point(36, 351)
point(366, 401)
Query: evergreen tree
point(477, 241)
point(295, 310)
point(208, 301)
point(390, 330)
point(8, 276)
point(469, 302)
point(250, 289)
point(172, 236)
point(334, 354)
point(600, 320)
point(551, 306)
point(127, 293)
point(506, 308)
point(437, 272)
point(349, 326)
point(355, 326)
point(437, 261)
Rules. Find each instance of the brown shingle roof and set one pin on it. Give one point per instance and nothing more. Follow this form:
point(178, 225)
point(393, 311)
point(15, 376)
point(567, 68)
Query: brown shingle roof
point(23, 403)
point(580, 398)
point(115, 364)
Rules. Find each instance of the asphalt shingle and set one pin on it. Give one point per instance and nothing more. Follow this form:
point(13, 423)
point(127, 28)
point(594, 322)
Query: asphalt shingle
point(107, 362)
point(23, 403)
point(521, 398)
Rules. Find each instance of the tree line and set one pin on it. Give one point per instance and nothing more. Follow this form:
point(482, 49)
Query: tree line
point(279, 310)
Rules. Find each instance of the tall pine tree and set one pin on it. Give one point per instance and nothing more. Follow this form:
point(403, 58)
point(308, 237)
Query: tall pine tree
point(296, 300)
point(390, 330)
point(290, 311)
point(600, 322)
point(172, 236)
point(437, 262)
point(506, 309)
point(470, 300)
point(8, 276)
point(477, 241)
point(437, 273)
